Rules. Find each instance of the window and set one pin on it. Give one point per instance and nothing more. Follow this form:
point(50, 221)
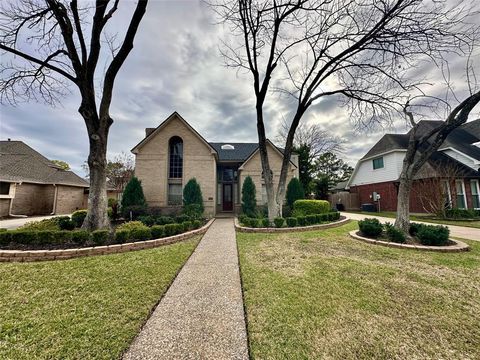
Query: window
point(447, 195)
point(461, 198)
point(377, 163)
point(475, 194)
point(175, 194)
point(4, 188)
point(175, 148)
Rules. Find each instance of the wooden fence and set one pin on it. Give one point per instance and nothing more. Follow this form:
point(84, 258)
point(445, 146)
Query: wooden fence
point(350, 201)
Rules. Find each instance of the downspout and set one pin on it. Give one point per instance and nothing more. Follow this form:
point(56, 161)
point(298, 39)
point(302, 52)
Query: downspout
point(54, 209)
point(11, 203)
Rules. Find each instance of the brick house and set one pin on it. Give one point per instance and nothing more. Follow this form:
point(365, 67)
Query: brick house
point(175, 152)
point(454, 168)
point(30, 184)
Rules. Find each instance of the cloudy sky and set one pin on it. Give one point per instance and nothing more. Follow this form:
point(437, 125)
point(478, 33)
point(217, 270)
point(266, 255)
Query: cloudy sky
point(175, 66)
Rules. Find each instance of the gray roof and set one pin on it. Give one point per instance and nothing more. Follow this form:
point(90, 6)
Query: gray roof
point(20, 163)
point(240, 152)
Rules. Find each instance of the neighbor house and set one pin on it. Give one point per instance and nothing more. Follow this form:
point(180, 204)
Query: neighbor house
point(30, 184)
point(455, 166)
point(175, 152)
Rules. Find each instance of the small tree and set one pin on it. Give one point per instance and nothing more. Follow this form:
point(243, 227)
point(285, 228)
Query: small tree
point(249, 200)
point(133, 194)
point(295, 191)
point(321, 188)
point(192, 194)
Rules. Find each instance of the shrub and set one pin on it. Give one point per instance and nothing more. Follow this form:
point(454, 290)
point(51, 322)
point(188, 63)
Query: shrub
point(196, 224)
point(332, 216)
point(193, 211)
point(3, 229)
point(133, 194)
point(100, 237)
point(287, 211)
point(265, 222)
point(182, 218)
point(249, 201)
point(147, 220)
point(45, 224)
point(170, 229)
point(192, 195)
point(134, 212)
point(187, 225)
point(311, 219)
point(414, 228)
point(140, 234)
point(80, 237)
point(323, 217)
point(78, 217)
point(370, 227)
point(158, 231)
point(122, 236)
point(460, 214)
point(279, 221)
point(301, 220)
point(131, 225)
point(179, 228)
point(55, 237)
point(163, 220)
point(295, 191)
point(433, 235)
point(64, 223)
point(241, 218)
point(310, 207)
point(394, 234)
point(291, 221)
point(5, 237)
point(25, 237)
point(113, 205)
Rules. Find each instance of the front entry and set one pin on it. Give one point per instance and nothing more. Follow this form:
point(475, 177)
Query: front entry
point(227, 197)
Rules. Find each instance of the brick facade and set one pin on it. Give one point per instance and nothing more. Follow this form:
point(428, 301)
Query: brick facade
point(69, 199)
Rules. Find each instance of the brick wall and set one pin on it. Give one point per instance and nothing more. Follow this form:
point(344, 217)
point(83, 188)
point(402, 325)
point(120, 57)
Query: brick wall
point(4, 207)
point(33, 199)
point(69, 199)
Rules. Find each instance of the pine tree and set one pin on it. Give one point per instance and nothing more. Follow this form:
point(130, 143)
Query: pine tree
point(192, 194)
point(249, 201)
point(294, 191)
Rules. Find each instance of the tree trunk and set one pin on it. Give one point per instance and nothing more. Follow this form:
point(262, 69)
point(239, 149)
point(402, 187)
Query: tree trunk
point(402, 220)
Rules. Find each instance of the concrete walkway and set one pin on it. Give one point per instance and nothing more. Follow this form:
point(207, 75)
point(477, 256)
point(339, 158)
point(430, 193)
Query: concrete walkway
point(14, 223)
point(201, 315)
point(455, 231)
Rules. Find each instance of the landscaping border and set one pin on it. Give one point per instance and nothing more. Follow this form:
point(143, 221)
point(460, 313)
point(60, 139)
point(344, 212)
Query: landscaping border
point(62, 254)
point(459, 246)
point(343, 220)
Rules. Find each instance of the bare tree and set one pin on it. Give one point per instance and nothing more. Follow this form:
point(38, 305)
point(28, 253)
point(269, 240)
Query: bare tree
point(358, 50)
point(62, 44)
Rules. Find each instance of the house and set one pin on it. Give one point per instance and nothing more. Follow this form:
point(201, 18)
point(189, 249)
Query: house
point(30, 184)
point(455, 167)
point(174, 152)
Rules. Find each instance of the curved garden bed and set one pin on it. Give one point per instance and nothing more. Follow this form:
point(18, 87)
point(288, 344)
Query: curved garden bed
point(61, 254)
point(342, 221)
point(453, 246)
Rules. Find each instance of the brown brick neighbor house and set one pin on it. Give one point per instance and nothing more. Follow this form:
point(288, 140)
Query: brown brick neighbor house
point(175, 152)
point(30, 184)
point(452, 173)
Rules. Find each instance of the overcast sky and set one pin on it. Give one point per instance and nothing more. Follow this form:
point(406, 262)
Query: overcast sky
point(174, 66)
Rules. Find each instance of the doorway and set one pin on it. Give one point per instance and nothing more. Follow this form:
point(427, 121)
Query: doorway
point(227, 198)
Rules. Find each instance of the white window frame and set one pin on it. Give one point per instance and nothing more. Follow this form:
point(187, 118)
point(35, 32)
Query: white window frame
point(464, 193)
point(477, 186)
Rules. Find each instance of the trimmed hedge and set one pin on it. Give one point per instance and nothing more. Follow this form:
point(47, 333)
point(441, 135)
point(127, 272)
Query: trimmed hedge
point(158, 231)
point(140, 234)
point(310, 207)
point(462, 214)
point(370, 227)
point(279, 221)
point(394, 234)
point(80, 237)
point(122, 236)
point(433, 235)
point(100, 237)
point(290, 221)
point(78, 217)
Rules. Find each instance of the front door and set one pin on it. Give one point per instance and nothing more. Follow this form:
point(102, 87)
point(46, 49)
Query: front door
point(227, 197)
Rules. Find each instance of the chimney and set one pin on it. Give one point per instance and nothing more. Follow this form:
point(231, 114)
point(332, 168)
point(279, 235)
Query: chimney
point(148, 131)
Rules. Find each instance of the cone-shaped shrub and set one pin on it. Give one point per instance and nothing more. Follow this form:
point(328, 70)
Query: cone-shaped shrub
point(249, 201)
point(133, 196)
point(294, 191)
point(192, 194)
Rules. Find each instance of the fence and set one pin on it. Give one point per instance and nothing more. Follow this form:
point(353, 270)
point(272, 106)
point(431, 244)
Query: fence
point(349, 200)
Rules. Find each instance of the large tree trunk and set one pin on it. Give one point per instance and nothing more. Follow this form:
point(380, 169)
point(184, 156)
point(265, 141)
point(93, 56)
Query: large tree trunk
point(402, 220)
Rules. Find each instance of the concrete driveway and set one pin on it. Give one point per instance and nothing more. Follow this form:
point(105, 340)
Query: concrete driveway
point(455, 231)
point(15, 223)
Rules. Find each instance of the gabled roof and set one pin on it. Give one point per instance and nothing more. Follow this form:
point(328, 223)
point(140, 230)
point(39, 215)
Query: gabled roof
point(151, 133)
point(20, 163)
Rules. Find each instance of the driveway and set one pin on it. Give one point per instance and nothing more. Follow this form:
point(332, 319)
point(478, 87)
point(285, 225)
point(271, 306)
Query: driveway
point(12, 224)
point(455, 231)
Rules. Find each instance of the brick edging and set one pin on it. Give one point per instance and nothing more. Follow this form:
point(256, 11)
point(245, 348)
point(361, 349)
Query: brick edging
point(62, 254)
point(458, 247)
point(343, 220)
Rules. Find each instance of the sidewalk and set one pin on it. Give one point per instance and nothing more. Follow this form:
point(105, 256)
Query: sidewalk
point(201, 315)
point(455, 231)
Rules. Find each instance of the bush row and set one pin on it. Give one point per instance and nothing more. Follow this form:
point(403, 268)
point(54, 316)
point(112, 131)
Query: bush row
point(290, 221)
point(96, 238)
point(462, 214)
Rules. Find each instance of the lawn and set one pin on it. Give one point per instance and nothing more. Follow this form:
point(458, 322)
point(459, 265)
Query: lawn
point(85, 308)
point(323, 295)
point(424, 218)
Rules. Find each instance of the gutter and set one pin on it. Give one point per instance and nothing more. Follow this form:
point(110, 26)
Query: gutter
point(54, 209)
point(11, 203)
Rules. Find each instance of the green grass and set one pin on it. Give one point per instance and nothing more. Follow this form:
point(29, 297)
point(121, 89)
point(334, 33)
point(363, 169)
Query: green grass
point(86, 308)
point(425, 218)
point(323, 295)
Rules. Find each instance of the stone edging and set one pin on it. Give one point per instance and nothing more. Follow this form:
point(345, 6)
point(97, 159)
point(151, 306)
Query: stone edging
point(458, 247)
point(343, 220)
point(62, 254)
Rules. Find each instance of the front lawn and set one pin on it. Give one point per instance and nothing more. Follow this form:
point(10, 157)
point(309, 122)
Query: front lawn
point(85, 308)
point(323, 295)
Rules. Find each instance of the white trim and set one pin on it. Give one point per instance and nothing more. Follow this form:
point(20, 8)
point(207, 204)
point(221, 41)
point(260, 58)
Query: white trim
point(475, 161)
point(11, 191)
point(461, 181)
point(382, 154)
point(475, 181)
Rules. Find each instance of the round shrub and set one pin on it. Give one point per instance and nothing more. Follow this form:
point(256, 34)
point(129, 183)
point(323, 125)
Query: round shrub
point(64, 223)
point(78, 217)
point(433, 235)
point(279, 221)
point(311, 219)
point(370, 227)
point(158, 231)
point(122, 236)
point(100, 237)
point(414, 228)
point(80, 237)
point(140, 234)
point(131, 225)
point(148, 220)
point(170, 229)
point(196, 224)
point(265, 222)
point(291, 221)
point(182, 218)
point(310, 207)
point(163, 220)
point(187, 225)
point(294, 191)
point(394, 234)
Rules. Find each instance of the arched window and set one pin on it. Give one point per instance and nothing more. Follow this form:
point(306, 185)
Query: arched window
point(175, 150)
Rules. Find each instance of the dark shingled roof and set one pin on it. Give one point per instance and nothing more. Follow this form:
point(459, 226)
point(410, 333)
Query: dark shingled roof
point(20, 163)
point(241, 151)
